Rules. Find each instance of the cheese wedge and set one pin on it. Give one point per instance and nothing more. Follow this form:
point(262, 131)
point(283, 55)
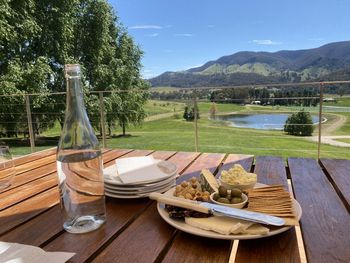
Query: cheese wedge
point(208, 181)
point(227, 225)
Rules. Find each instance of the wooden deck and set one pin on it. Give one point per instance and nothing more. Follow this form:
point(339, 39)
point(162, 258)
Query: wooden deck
point(134, 232)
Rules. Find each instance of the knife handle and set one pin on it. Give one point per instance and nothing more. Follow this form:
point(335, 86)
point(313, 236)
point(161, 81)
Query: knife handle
point(179, 202)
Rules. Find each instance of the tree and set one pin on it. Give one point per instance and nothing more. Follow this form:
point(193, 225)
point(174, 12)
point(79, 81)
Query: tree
point(185, 115)
point(299, 124)
point(213, 110)
point(39, 36)
point(189, 115)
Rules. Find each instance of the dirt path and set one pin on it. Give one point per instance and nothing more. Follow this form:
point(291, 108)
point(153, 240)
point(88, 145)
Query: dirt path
point(331, 140)
point(329, 129)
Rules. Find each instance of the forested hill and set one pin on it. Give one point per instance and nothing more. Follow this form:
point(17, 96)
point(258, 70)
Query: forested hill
point(329, 61)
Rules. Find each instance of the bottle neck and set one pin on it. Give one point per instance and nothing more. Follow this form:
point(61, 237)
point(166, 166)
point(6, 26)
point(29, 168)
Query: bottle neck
point(75, 101)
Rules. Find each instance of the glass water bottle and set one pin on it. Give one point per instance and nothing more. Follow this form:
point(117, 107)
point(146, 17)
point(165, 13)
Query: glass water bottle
point(79, 163)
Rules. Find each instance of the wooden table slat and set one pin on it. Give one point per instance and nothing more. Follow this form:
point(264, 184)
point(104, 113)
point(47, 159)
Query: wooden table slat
point(270, 170)
point(26, 210)
point(245, 160)
point(210, 161)
point(34, 156)
point(193, 243)
point(325, 221)
point(120, 213)
point(36, 164)
point(134, 232)
point(339, 171)
point(23, 192)
point(42, 231)
point(163, 155)
point(183, 159)
point(37, 231)
point(148, 251)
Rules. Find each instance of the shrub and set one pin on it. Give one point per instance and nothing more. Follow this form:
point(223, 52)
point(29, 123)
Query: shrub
point(189, 113)
point(299, 124)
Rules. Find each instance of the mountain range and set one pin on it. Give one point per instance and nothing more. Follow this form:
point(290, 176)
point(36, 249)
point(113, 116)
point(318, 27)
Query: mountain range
point(328, 62)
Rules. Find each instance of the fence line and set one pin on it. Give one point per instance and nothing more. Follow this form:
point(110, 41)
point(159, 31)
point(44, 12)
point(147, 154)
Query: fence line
point(102, 114)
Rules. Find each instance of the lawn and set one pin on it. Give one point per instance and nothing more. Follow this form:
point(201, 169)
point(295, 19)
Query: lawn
point(343, 140)
point(172, 133)
point(154, 107)
point(178, 135)
point(340, 102)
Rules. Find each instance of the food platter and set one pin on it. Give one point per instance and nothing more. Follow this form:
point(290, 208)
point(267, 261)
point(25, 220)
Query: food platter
point(181, 225)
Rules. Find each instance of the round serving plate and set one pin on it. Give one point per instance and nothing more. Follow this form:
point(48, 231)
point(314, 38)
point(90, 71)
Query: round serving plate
point(181, 225)
point(133, 188)
point(166, 167)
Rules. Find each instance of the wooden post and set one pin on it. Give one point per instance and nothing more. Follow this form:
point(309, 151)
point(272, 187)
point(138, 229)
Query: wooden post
point(320, 122)
point(195, 122)
point(30, 124)
point(102, 119)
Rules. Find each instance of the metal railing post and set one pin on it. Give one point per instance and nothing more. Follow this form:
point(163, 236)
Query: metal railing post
point(30, 124)
point(102, 119)
point(195, 123)
point(320, 123)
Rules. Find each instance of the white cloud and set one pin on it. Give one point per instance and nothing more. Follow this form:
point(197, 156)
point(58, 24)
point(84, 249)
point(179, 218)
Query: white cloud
point(152, 35)
point(265, 42)
point(183, 35)
point(146, 27)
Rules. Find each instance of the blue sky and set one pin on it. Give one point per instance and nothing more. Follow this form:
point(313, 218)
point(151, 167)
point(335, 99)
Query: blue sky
point(180, 34)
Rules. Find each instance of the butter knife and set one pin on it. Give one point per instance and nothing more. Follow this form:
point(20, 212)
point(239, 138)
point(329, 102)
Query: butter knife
point(219, 210)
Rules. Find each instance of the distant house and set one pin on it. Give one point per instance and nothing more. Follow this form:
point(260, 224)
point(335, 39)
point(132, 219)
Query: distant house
point(256, 102)
point(329, 100)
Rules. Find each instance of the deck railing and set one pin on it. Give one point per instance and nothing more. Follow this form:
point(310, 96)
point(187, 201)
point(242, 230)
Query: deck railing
point(27, 119)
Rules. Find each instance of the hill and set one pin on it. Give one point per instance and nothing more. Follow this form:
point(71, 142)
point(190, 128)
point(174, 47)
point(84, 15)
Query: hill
point(247, 67)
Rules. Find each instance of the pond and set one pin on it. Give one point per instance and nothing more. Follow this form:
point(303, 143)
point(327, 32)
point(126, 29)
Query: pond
point(258, 121)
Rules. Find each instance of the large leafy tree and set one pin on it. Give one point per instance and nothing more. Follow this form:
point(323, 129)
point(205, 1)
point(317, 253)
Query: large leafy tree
point(39, 36)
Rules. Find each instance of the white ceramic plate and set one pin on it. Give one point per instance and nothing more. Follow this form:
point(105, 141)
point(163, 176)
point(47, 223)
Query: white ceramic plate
point(146, 190)
point(134, 196)
point(165, 166)
point(181, 225)
point(133, 188)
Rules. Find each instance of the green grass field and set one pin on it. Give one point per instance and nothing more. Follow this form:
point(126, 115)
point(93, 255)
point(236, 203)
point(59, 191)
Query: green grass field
point(176, 134)
point(154, 107)
point(344, 140)
point(340, 102)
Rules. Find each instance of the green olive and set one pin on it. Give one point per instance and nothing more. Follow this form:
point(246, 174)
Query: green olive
point(223, 200)
point(222, 191)
point(236, 200)
point(235, 192)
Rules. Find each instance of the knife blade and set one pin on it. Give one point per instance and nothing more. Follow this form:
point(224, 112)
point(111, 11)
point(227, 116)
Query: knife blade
point(244, 214)
point(219, 210)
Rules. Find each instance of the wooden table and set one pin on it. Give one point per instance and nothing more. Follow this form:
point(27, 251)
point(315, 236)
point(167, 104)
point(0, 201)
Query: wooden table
point(134, 232)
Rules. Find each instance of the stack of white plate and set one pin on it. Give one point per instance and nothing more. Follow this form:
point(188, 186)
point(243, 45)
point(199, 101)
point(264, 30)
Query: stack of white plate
point(114, 186)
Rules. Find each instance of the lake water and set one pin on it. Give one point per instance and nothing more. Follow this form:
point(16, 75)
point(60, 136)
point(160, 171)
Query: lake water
point(258, 121)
